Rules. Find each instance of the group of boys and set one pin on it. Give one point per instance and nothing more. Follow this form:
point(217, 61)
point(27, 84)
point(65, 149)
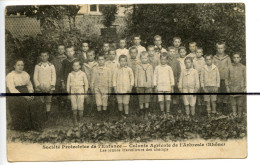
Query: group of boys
point(155, 74)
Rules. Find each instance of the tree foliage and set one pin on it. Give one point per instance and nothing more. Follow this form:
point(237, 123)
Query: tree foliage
point(109, 14)
point(205, 24)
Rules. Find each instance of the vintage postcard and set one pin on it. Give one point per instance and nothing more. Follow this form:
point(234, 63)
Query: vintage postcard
point(125, 81)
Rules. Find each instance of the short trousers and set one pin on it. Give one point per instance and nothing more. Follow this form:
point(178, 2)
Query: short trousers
point(77, 98)
point(101, 97)
point(164, 97)
point(236, 100)
point(210, 89)
point(189, 99)
point(144, 98)
point(46, 99)
point(123, 99)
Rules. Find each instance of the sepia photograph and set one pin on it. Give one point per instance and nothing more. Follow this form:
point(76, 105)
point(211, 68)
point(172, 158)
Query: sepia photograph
point(125, 81)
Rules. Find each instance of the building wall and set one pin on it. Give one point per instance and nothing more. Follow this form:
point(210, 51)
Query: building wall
point(89, 25)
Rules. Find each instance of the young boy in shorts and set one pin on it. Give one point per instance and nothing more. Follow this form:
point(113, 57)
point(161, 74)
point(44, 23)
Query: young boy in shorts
point(101, 86)
point(210, 82)
point(236, 82)
point(144, 83)
point(189, 83)
point(123, 82)
point(164, 83)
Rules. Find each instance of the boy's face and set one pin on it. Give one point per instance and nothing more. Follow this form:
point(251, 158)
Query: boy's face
point(112, 55)
point(19, 66)
point(44, 57)
point(177, 43)
point(192, 47)
point(221, 49)
point(76, 66)
point(70, 52)
point(171, 53)
point(157, 41)
point(133, 53)
point(91, 56)
point(199, 53)
point(101, 61)
point(144, 59)
point(163, 60)
point(123, 62)
point(106, 47)
point(61, 49)
point(182, 53)
point(137, 40)
point(208, 60)
point(85, 47)
point(122, 44)
point(151, 51)
point(188, 64)
point(236, 58)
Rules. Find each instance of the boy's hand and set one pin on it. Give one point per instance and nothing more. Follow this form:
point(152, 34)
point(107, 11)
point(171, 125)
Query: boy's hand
point(50, 88)
point(62, 85)
point(205, 89)
point(155, 89)
point(227, 88)
point(130, 90)
point(172, 90)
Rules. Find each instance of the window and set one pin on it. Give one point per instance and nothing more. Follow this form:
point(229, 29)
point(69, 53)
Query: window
point(93, 8)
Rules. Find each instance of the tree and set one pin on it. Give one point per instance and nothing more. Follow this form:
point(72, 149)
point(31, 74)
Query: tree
point(109, 12)
point(203, 23)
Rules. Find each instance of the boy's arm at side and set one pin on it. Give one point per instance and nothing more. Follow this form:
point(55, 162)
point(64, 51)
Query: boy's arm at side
point(86, 84)
point(180, 82)
point(53, 76)
point(132, 79)
point(35, 77)
point(68, 84)
point(197, 81)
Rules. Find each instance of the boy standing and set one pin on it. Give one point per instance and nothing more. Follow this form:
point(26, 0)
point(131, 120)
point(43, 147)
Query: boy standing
point(192, 48)
point(77, 85)
point(176, 44)
point(123, 81)
point(236, 82)
point(133, 58)
point(158, 44)
point(122, 49)
point(182, 53)
point(57, 62)
point(164, 83)
point(199, 63)
point(104, 52)
point(222, 61)
point(45, 79)
point(189, 83)
point(101, 85)
point(82, 55)
point(176, 68)
point(88, 69)
point(210, 82)
point(137, 41)
point(144, 82)
point(154, 60)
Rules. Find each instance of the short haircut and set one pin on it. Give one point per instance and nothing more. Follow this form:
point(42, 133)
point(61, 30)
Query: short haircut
point(164, 55)
point(221, 43)
point(76, 61)
point(157, 36)
point(18, 59)
point(143, 53)
point(238, 53)
point(191, 43)
point(85, 41)
point(150, 46)
point(188, 58)
point(112, 49)
point(182, 48)
point(176, 38)
point(90, 51)
point(44, 51)
point(60, 44)
point(136, 35)
point(171, 47)
point(69, 46)
point(199, 48)
point(106, 43)
point(100, 56)
point(122, 56)
point(133, 48)
point(209, 55)
point(122, 39)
